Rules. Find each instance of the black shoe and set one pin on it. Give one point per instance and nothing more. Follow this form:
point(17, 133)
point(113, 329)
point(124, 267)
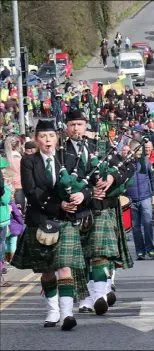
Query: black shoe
point(69, 323)
point(140, 257)
point(85, 309)
point(100, 306)
point(4, 270)
point(111, 298)
point(50, 324)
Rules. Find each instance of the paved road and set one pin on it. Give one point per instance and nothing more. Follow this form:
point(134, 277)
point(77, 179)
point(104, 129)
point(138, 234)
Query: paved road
point(139, 28)
point(129, 324)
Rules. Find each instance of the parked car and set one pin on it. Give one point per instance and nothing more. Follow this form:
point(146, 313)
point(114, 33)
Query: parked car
point(147, 50)
point(50, 70)
point(64, 60)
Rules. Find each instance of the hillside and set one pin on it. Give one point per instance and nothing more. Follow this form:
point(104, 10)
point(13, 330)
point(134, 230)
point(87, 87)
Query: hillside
point(73, 26)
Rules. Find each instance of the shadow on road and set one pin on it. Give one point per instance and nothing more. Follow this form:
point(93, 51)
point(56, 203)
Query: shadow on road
point(149, 37)
point(111, 69)
point(150, 32)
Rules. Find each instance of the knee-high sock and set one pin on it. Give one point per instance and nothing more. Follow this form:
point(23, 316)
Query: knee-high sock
point(49, 287)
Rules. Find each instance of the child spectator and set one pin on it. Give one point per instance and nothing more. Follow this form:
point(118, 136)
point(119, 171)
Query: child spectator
point(15, 229)
point(4, 220)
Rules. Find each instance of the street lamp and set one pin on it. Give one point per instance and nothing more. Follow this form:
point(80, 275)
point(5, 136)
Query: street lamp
point(18, 65)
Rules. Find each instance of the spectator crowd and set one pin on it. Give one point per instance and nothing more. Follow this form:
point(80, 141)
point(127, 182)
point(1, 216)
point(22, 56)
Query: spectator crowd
point(127, 112)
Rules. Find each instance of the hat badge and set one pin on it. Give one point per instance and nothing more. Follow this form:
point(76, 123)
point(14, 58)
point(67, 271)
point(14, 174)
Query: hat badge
point(49, 226)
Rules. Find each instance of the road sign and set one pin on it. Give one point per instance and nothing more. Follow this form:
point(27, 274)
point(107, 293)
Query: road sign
point(12, 51)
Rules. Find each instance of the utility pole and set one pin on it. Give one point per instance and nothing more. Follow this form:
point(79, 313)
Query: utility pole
point(18, 65)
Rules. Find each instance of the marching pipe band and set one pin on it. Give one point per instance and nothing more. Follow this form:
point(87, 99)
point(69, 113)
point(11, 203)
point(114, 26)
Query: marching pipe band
point(45, 202)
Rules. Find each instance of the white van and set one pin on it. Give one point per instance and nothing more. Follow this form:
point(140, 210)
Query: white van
point(10, 64)
point(131, 63)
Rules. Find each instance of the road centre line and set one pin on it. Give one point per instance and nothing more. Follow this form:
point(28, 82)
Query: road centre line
point(37, 279)
point(13, 288)
point(17, 296)
point(8, 291)
point(28, 277)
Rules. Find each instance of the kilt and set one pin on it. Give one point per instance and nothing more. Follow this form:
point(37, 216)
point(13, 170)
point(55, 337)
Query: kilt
point(80, 285)
point(102, 240)
point(107, 238)
point(69, 252)
point(30, 254)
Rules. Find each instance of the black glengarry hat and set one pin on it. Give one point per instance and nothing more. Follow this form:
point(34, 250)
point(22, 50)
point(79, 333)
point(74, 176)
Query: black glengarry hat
point(45, 125)
point(75, 115)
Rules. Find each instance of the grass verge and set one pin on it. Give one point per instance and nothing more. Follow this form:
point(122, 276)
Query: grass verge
point(131, 11)
point(80, 61)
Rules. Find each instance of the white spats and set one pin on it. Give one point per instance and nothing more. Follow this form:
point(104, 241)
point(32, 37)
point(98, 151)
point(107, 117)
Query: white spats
point(90, 287)
point(53, 314)
point(100, 290)
point(66, 308)
point(87, 302)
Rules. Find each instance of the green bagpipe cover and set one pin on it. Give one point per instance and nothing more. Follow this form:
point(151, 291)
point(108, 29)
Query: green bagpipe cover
point(69, 182)
point(121, 190)
point(104, 170)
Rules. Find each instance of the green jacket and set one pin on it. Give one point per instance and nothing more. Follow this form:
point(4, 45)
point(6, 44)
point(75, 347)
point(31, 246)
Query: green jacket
point(4, 208)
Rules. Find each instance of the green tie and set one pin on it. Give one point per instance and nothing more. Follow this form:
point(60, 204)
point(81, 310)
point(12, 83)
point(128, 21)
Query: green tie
point(84, 160)
point(49, 169)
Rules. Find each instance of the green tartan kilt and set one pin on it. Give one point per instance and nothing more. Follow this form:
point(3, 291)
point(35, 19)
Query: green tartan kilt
point(69, 251)
point(30, 254)
point(107, 239)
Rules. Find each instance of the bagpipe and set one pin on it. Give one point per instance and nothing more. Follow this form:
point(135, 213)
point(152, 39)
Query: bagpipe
point(100, 168)
point(70, 183)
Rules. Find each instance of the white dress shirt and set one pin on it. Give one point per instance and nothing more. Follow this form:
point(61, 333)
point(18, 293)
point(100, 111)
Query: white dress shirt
point(52, 162)
point(76, 147)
